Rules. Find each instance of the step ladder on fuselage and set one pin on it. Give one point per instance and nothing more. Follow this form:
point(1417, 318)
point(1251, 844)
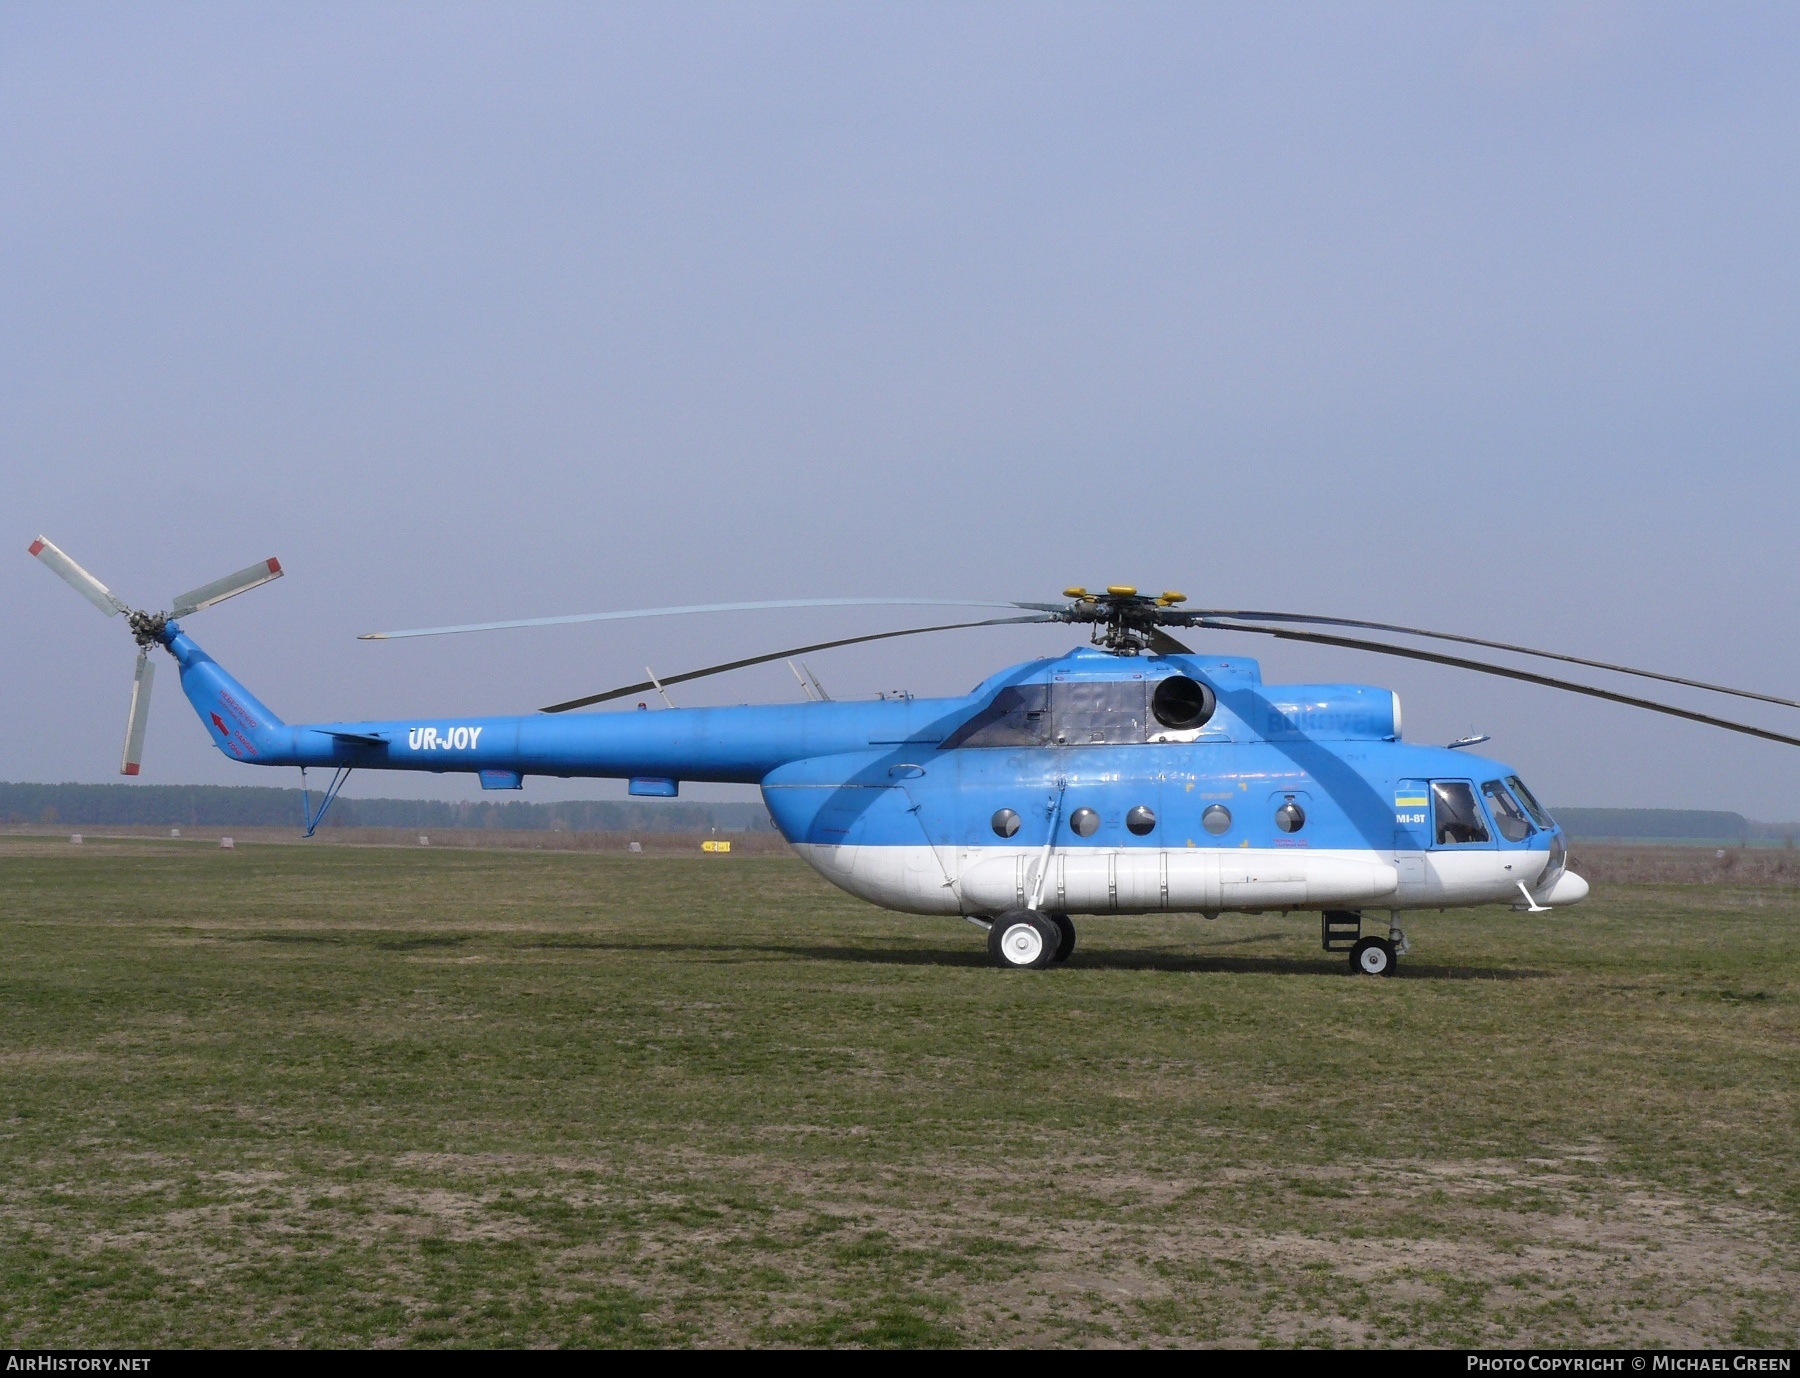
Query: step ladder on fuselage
point(1339, 929)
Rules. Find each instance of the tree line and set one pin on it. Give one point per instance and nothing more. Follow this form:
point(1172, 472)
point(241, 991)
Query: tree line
point(265, 806)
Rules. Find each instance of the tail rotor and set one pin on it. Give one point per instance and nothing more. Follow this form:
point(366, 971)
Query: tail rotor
point(148, 629)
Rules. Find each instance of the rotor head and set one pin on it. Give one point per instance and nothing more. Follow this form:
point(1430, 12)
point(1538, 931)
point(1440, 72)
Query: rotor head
point(1123, 620)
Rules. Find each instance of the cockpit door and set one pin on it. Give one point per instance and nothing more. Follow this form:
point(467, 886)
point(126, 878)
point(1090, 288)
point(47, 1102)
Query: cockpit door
point(1412, 815)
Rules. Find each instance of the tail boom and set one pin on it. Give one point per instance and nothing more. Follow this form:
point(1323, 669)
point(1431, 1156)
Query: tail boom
point(734, 745)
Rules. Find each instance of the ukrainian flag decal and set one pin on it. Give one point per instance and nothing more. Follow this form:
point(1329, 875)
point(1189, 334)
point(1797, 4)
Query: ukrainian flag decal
point(1410, 807)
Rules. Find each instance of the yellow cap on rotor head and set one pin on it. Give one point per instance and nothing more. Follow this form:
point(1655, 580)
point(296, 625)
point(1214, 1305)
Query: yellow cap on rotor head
point(1121, 590)
point(1076, 592)
point(1170, 597)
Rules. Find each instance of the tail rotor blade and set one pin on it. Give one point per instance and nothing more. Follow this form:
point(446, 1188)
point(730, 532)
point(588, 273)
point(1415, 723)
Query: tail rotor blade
point(140, 714)
point(78, 578)
point(253, 576)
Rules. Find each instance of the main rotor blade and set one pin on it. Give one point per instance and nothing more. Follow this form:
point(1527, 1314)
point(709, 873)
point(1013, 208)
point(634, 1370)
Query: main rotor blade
point(78, 578)
point(1483, 668)
point(697, 607)
point(139, 716)
point(666, 680)
point(250, 577)
point(1497, 646)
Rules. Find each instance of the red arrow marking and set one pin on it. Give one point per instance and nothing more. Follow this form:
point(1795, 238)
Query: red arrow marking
point(219, 723)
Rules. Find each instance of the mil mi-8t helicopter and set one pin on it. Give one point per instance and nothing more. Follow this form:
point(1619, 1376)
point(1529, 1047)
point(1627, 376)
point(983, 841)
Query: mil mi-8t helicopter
point(1129, 776)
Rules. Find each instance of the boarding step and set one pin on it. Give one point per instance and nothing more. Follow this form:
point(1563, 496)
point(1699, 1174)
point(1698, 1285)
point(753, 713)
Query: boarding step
point(1339, 929)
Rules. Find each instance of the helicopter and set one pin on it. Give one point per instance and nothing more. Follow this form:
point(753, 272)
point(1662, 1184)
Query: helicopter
point(1129, 775)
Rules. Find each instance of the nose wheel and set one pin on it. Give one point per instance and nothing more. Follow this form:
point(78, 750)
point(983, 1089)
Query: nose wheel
point(1373, 957)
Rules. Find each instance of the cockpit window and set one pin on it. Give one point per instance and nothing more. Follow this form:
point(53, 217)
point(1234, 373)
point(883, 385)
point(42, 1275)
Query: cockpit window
point(1458, 820)
point(1508, 816)
point(1539, 814)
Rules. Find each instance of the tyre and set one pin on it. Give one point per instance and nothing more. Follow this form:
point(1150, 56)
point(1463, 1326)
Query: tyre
point(1065, 929)
point(1024, 941)
point(1373, 957)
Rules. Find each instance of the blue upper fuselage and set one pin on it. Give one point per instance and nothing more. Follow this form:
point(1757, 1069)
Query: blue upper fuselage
point(1044, 739)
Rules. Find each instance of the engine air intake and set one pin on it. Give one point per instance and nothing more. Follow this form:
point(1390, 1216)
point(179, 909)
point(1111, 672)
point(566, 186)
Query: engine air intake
point(1182, 703)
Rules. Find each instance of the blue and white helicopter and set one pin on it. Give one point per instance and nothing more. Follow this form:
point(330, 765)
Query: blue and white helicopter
point(1130, 776)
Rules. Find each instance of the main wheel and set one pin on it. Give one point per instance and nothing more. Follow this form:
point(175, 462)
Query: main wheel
point(1065, 930)
point(1373, 957)
point(1023, 940)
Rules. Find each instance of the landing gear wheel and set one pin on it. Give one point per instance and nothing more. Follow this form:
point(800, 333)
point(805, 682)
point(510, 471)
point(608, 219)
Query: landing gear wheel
point(1065, 928)
point(1373, 957)
point(1024, 941)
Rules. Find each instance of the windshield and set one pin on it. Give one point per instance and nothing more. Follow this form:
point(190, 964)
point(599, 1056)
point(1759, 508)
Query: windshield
point(1458, 819)
point(1539, 814)
point(1508, 816)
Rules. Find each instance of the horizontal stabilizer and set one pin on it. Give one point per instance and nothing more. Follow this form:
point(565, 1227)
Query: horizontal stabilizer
point(353, 738)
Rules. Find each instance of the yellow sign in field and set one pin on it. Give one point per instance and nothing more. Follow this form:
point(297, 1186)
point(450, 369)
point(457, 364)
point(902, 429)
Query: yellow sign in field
point(711, 845)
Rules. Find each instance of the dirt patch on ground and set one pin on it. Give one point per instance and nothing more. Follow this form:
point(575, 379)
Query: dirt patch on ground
point(1401, 1252)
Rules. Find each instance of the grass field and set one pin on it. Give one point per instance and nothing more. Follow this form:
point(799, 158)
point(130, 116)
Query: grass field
point(345, 1096)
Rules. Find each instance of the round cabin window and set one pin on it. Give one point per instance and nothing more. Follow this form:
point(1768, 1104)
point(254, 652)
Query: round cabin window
point(1084, 822)
point(1141, 821)
point(1182, 703)
point(1006, 822)
point(1216, 819)
point(1290, 817)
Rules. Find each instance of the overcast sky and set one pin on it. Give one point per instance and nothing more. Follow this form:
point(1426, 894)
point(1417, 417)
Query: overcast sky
point(1480, 318)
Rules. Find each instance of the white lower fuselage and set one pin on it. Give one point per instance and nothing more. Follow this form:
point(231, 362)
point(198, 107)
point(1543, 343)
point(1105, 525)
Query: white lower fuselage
point(1140, 880)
